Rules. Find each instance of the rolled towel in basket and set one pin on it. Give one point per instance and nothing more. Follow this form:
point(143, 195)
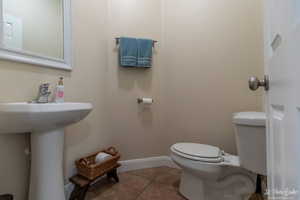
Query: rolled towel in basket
point(101, 157)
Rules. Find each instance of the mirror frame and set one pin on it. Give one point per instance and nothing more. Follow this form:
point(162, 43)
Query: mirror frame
point(40, 60)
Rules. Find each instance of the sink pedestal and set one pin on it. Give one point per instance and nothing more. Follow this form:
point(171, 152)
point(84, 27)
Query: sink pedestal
point(46, 181)
point(46, 123)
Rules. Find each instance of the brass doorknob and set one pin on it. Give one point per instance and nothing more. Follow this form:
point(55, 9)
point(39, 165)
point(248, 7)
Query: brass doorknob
point(255, 83)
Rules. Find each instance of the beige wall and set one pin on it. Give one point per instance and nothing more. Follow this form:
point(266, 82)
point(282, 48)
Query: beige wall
point(210, 49)
point(135, 129)
point(205, 54)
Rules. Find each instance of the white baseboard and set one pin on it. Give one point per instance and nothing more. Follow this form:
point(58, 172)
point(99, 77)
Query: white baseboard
point(142, 163)
point(130, 165)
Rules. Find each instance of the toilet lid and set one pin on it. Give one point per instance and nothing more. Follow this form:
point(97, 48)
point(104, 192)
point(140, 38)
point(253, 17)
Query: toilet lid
point(198, 150)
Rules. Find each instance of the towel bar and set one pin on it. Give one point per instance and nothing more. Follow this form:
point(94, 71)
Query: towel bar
point(118, 41)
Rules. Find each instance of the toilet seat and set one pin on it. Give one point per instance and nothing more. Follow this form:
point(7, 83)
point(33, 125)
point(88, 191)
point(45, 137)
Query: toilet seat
point(198, 152)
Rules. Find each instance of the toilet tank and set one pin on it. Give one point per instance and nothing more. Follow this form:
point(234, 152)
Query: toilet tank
point(250, 135)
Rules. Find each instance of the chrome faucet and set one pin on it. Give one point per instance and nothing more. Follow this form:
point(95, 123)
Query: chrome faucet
point(44, 93)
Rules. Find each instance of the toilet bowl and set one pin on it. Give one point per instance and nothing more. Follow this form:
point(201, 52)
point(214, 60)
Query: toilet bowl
point(209, 173)
point(213, 175)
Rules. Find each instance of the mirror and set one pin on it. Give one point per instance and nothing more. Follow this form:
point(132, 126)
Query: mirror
point(36, 32)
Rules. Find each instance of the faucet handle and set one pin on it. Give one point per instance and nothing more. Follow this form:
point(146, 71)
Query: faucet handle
point(45, 85)
point(44, 88)
point(44, 93)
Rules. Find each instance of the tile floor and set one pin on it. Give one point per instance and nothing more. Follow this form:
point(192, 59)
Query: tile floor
point(159, 183)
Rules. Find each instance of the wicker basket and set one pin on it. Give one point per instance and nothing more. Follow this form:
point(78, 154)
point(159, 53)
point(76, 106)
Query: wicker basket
point(89, 169)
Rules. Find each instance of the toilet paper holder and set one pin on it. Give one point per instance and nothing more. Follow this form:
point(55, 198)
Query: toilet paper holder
point(144, 100)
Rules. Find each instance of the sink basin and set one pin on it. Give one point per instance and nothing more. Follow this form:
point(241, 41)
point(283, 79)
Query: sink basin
point(29, 117)
point(46, 124)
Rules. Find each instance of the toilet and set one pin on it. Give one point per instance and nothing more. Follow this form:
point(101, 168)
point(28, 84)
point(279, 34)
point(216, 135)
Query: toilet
point(209, 173)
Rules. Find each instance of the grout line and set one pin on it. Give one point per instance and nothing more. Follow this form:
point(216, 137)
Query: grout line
point(140, 176)
point(150, 183)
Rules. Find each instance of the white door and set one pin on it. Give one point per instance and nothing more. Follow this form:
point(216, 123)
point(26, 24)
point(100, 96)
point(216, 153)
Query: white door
point(282, 65)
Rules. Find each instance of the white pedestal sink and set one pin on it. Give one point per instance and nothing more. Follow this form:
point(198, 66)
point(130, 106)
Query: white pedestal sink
point(46, 123)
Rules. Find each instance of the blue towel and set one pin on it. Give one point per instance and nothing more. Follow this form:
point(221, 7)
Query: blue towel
point(144, 52)
point(128, 52)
